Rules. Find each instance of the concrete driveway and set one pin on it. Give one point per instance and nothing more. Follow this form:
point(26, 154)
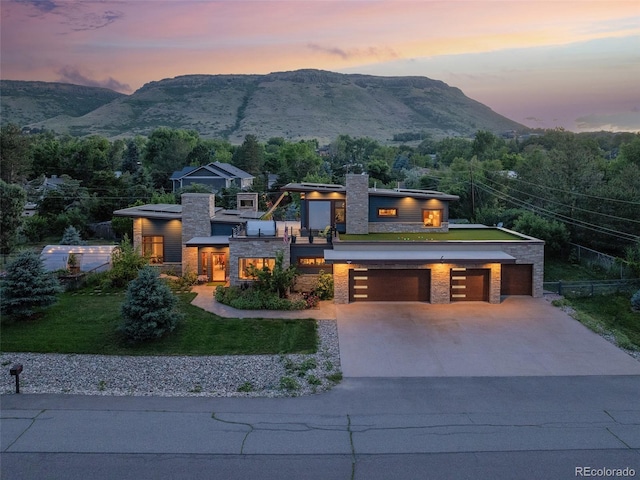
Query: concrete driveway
point(520, 336)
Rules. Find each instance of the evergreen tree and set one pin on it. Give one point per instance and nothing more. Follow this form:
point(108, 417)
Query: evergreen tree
point(12, 200)
point(27, 287)
point(149, 310)
point(71, 236)
point(249, 156)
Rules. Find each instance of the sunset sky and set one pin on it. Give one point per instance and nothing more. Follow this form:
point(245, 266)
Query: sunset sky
point(542, 63)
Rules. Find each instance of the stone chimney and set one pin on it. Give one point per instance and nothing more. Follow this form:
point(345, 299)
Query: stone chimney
point(197, 211)
point(357, 204)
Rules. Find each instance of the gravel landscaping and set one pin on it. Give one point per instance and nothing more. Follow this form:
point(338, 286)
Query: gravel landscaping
point(180, 376)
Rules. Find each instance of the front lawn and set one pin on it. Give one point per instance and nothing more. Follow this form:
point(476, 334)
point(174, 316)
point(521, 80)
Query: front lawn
point(86, 323)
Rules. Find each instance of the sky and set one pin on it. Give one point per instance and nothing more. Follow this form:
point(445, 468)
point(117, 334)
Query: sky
point(543, 63)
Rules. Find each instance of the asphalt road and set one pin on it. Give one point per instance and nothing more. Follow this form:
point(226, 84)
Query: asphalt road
point(366, 428)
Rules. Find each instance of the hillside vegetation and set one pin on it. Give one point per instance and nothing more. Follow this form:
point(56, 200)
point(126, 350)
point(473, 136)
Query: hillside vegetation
point(24, 103)
point(303, 104)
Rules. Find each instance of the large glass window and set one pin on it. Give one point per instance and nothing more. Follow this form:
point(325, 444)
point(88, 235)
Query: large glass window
point(319, 214)
point(259, 263)
point(153, 247)
point(432, 218)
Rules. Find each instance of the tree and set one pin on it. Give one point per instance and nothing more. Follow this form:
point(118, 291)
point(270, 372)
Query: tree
point(166, 152)
point(27, 287)
point(12, 200)
point(554, 234)
point(71, 236)
point(149, 310)
point(379, 170)
point(131, 157)
point(249, 156)
point(15, 155)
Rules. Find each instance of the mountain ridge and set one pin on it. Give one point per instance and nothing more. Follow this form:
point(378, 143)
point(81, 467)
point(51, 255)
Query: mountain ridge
point(296, 105)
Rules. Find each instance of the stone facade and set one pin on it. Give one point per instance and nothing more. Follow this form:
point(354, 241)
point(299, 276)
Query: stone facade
point(247, 247)
point(357, 204)
point(197, 211)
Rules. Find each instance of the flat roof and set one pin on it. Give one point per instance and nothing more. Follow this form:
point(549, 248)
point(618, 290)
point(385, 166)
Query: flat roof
point(373, 192)
point(151, 210)
point(214, 240)
point(420, 256)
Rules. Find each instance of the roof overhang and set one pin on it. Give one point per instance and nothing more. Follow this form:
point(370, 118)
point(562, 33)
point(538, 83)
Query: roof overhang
point(214, 241)
point(418, 256)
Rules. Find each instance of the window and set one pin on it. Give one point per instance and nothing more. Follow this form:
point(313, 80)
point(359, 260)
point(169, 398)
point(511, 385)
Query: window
point(387, 212)
point(432, 218)
point(339, 212)
point(309, 262)
point(259, 263)
point(153, 247)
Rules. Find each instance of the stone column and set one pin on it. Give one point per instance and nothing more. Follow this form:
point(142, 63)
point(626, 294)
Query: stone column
point(357, 204)
point(197, 211)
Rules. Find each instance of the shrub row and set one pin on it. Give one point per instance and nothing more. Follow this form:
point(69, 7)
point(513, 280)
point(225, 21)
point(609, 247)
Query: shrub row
point(253, 299)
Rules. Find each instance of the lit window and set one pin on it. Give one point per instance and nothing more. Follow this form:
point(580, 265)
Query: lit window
point(339, 212)
point(258, 263)
point(153, 247)
point(387, 212)
point(432, 218)
point(310, 262)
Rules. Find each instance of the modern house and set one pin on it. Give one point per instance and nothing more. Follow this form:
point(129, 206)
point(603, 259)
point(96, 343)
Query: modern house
point(216, 175)
point(382, 244)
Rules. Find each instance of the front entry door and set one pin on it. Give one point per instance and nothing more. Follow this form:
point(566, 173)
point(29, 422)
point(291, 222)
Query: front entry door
point(213, 265)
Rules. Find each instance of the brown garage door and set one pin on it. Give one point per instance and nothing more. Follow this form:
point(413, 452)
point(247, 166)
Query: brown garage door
point(516, 280)
point(397, 285)
point(469, 285)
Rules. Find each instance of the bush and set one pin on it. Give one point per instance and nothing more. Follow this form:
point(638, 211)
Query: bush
point(324, 286)
point(635, 301)
point(27, 287)
point(254, 299)
point(149, 310)
point(126, 264)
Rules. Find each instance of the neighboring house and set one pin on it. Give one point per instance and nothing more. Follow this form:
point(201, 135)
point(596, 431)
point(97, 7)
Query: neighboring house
point(387, 245)
point(216, 176)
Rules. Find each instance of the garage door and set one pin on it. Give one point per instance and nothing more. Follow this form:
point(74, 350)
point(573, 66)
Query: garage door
point(469, 285)
point(516, 280)
point(397, 285)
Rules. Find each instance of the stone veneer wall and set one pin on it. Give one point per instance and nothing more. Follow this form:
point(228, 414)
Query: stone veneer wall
point(306, 282)
point(357, 204)
point(390, 227)
point(137, 234)
point(247, 247)
point(197, 211)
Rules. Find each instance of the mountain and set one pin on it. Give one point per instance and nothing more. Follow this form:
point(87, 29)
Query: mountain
point(301, 104)
point(24, 103)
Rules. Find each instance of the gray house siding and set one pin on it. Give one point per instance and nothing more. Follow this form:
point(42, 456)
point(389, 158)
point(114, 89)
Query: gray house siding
point(171, 230)
point(409, 209)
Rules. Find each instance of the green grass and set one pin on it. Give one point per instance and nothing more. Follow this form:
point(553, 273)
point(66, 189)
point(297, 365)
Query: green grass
point(454, 234)
point(87, 324)
point(610, 313)
point(556, 270)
